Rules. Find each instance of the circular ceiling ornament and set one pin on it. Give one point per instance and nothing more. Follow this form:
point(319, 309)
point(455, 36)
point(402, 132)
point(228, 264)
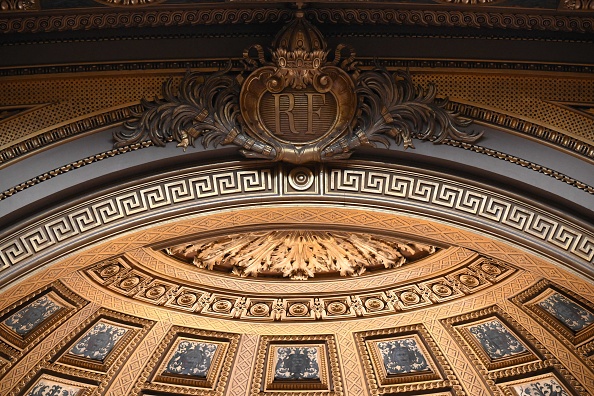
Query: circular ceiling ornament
point(299, 254)
point(301, 178)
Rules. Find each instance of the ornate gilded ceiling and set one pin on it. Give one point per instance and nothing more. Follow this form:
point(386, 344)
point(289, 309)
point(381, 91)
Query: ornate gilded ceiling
point(299, 254)
point(457, 268)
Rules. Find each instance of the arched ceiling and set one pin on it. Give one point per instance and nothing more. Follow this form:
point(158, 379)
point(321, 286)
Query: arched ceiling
point(460, 268)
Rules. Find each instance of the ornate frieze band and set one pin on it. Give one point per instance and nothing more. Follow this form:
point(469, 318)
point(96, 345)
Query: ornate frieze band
point(370, 16)
point(65, 131)
point(199, 190)
point(132, 281)
point(464, 201)
point(364, 63)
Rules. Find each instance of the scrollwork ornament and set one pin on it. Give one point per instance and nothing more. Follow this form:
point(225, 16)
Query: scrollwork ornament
point(19, 5)
point(296, 105)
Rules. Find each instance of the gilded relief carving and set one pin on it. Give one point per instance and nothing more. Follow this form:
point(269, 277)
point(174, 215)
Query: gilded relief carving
point(100, 345)
point(297, 365)
point(565, 313)
point(577, 5)
point(49, 385)
point(19, 6)
point(23, 323)
point(404, 359)
point(132, 281)
point(299, 254)
point(190, 362)
point(504, 348)
point(541, 385)
point(297, 106)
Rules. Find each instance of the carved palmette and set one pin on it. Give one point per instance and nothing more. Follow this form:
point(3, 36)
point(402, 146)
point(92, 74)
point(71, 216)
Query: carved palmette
point(296, 106)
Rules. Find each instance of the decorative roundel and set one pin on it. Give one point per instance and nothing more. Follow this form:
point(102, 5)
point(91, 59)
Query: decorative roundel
point(442, 290)
point(259, 309)
point(155, 292)
point(298, 309)
point(187, 299)
point(109, 271)
point(222, 306)
point(490, 269)
point(469, 280)
point(130, 282)
point(336, 308)
point(410, 297)
point(374, 304)
point(301, 178)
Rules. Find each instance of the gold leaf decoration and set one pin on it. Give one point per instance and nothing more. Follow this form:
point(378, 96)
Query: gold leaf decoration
point(299, 254)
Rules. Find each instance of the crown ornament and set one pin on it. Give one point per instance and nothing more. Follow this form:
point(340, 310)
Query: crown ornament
point(297, 102)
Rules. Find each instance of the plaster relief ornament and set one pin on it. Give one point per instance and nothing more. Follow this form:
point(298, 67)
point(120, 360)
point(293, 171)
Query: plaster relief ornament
point(293, 104)
point(299, 255)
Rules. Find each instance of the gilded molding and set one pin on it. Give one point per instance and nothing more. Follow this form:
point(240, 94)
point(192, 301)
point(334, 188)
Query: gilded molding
point(34, 143)
point(214, 385)
point(261, 384)
point(71, 166)
point(541, 359)
point(525, 127)
point(442, 378)
point(444, 260)
point(352, 181)
point(144, 144)
point(521, 162)
point(126, 279)
point(364, 63)
point(391, 16)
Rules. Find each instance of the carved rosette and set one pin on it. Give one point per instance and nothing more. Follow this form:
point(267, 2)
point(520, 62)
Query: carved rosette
point(296, 105)
point(299, 255)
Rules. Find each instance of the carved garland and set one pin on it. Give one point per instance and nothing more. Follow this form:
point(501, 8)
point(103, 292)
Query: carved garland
point(297, 106)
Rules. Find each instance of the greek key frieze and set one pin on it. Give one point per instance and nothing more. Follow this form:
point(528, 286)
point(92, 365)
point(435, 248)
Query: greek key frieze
point(438, 194)
point(199, 187)
point(393, 187)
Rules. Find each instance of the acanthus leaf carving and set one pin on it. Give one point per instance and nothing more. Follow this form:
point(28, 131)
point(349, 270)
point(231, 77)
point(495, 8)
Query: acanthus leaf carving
point(299, 254)
point(297, 106)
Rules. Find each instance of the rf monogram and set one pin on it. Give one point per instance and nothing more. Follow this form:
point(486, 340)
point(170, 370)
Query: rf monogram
point(286, 108)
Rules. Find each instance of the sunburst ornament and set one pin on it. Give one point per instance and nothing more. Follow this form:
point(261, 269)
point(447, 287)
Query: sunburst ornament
point(299, 254)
